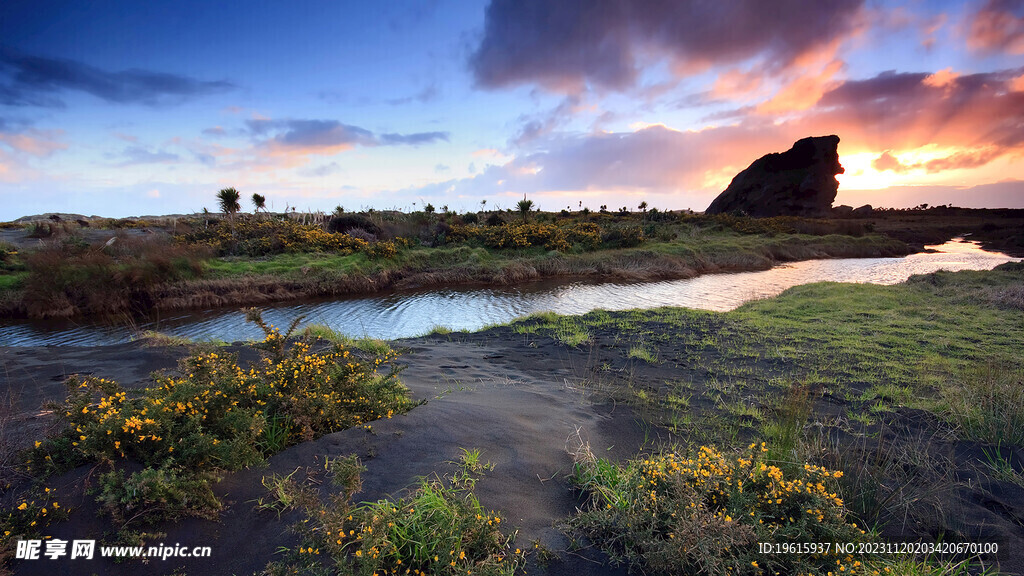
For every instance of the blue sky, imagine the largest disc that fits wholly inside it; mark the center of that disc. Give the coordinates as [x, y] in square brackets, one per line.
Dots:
[127, 108]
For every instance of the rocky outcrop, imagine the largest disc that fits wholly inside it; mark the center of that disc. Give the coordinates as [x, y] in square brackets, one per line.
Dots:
[798, 182]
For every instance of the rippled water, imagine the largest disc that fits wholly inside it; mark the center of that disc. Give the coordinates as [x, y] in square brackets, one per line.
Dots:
[403, 314]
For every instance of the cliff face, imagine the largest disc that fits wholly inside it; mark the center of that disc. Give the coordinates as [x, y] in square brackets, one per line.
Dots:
[798, 182]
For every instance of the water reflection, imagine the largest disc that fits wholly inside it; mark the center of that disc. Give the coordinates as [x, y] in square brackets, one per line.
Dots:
[403, 314]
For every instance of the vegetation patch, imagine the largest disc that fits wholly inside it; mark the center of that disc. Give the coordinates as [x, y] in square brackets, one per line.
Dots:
[439, 527]
[705, 513]
[215, 416]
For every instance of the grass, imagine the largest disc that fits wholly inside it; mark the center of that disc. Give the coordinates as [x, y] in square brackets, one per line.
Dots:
[437, 527]
[641, 352]
[986, 402]
[875, 381]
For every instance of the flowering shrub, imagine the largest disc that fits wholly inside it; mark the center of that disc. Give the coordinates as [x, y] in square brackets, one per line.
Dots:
[671, 514]
[585, 235]
[264, 237]
[383, 249]
[217, 415]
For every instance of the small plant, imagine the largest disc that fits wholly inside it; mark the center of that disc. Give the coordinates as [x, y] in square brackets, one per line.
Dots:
[438, 528]
[285, 494]
[157, 494]
[785, 430]
[641, 352]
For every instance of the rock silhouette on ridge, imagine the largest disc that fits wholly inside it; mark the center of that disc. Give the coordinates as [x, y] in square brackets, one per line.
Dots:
[798, 182]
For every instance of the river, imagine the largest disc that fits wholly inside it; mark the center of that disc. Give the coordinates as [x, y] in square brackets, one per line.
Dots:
[411, 313]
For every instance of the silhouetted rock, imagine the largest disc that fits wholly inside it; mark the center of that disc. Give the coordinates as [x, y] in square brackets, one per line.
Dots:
[842, 210]
[798, 182]
[863, 211]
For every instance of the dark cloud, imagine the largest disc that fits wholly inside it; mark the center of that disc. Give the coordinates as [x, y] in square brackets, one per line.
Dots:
[325, 136]
[998, 26]
[322, 134]
[898, 111]
[36, 81]
[413, 139]
[567, 45]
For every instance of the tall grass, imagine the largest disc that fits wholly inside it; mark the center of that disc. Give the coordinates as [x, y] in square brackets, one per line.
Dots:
[72, 277]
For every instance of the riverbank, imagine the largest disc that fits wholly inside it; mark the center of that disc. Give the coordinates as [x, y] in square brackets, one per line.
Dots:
[149, 277]
[911, 390]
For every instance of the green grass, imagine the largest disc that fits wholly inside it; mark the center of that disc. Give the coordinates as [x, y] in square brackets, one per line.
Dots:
[287, 264]
[645, 353]
[437, 527]
[12, 280]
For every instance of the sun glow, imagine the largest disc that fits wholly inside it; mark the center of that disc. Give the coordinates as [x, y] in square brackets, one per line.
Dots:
[860, 175]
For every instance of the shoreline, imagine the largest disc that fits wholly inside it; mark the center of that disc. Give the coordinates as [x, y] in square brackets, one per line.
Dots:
[638, 264]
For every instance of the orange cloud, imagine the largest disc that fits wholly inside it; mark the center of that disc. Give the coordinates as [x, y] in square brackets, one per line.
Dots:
[734, 84]
[804, 92]
[942, 79]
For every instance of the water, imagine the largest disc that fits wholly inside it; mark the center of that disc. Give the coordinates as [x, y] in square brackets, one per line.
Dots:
[403, 314]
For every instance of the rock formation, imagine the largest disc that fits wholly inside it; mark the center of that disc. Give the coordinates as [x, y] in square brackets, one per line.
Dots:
[798, 182]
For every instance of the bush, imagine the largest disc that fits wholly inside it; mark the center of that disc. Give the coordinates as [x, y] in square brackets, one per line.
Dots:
[625, 236]
[265, 237]
[344, 224]
[671, 514]
[216, 416]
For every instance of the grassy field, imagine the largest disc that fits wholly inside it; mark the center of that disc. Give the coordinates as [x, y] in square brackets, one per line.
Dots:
[197, 263]
[911, 392]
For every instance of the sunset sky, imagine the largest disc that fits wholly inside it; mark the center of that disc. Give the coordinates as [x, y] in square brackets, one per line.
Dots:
[121, 108]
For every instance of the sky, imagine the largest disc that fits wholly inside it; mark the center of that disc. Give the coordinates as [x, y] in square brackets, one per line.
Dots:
[118, 108]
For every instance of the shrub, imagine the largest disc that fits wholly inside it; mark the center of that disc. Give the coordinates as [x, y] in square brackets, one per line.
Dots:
[265, 237]
[672, 514]
[584, 235]
[344, 224]
[625, 236]
[216, 416]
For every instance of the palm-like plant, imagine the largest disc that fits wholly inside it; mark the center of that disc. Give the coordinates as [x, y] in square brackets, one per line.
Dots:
[228, 199]
[524, 207]
[260, 202]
